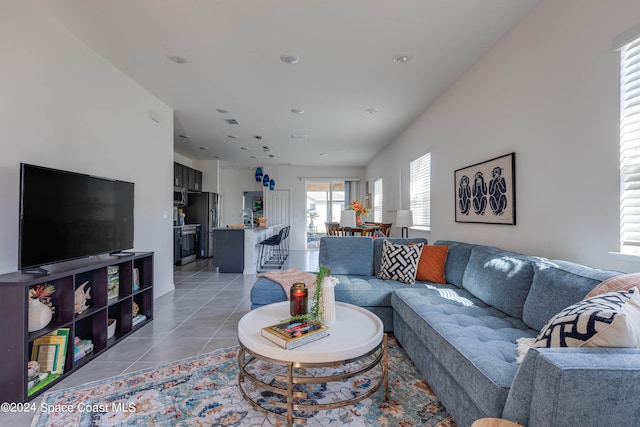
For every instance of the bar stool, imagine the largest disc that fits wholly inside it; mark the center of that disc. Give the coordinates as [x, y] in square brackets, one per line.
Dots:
[274, 243]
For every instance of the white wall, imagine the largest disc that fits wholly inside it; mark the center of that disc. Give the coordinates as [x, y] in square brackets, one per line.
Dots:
[233, 182]
[63, 106]
[548, 91]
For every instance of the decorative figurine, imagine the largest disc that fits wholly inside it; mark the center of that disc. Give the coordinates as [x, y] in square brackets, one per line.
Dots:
[81, 297]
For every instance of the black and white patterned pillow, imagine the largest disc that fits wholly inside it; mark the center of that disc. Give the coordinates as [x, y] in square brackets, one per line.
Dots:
[607, 320]
[400, 262]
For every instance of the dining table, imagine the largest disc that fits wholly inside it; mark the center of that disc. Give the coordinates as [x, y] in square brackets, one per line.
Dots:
[362, 230]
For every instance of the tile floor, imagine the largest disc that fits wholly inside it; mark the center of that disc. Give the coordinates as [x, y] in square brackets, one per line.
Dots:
[199, 316]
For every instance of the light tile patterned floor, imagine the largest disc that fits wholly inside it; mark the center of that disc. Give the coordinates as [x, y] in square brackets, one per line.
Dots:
[199, 316]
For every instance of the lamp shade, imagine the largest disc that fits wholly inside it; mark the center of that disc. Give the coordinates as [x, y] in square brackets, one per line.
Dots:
[265, 180]
[348, 218]
[272, 185]
[404, 218]
[258, 174]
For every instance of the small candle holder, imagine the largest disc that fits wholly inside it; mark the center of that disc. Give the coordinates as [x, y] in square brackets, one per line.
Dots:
[298, 299]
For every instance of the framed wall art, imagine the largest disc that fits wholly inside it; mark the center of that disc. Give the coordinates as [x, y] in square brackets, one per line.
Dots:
[486, 192]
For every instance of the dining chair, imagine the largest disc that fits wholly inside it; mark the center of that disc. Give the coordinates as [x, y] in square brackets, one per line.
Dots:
[386, 228]
[333, 228]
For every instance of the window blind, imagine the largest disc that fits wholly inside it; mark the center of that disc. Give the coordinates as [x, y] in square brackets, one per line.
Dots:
[420, 190]
[630, 144]
[377, 200]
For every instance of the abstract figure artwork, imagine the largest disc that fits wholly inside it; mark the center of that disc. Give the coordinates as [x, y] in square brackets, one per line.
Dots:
[474, 195]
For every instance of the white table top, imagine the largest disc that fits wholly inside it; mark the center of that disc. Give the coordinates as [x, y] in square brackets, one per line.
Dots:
[355, 332]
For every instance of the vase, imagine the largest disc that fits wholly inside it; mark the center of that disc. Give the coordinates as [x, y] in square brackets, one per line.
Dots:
[358, 221]
[328, 300]
[39, 315]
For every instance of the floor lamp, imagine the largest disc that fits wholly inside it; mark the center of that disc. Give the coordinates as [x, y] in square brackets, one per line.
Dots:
[404, 220]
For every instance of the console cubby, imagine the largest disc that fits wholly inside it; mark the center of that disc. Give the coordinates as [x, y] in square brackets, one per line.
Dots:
[91, 324]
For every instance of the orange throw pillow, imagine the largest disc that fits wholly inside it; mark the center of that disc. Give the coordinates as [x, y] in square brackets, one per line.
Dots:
[623, 282]
[431, 264]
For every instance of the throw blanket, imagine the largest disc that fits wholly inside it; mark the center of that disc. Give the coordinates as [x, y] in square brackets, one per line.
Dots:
[287, 278]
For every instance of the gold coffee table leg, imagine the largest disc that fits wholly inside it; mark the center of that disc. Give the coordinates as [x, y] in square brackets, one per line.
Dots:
[289, 394]
[385, 367]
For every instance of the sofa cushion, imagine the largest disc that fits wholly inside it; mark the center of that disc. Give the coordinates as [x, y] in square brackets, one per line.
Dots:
[366, 291]
[556, 285]
[500, 278]
[608, 320]
[431, 264]
[621, 282]
[400, 262]
[347, 255]
[377, 249]
[457, 259]
[472, 340]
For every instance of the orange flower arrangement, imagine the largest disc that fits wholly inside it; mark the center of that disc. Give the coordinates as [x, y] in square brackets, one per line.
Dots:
[359, 208]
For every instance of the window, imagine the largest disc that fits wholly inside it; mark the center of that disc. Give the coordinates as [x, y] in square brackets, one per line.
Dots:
[630, 147]
[377, 200]
[420, 191]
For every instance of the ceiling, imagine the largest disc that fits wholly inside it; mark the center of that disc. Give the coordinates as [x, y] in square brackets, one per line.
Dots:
[356, 99]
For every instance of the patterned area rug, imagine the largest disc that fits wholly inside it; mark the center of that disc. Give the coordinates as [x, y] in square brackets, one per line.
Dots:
[203, 391]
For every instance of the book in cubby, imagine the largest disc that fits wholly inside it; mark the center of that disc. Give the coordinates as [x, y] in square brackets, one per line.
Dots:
[113, 281]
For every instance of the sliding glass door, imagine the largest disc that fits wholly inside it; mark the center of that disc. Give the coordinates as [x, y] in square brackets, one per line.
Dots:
[325, 201]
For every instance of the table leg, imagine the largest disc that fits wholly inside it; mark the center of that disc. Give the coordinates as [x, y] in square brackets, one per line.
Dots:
[385, 368]
[289, 394]
[241, 366]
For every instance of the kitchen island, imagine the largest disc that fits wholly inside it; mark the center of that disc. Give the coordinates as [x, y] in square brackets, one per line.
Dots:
[236, 250]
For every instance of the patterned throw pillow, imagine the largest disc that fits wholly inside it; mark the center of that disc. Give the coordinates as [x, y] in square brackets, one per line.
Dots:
[607, 320]
[400, 262]
[623, 282]
[431, 264]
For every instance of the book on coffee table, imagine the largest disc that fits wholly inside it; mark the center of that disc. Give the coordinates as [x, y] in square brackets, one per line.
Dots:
[294, 333]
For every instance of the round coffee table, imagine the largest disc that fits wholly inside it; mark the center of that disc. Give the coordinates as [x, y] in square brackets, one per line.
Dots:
[356, 335]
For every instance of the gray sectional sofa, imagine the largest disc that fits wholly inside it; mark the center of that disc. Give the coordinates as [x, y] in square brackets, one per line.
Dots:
[462, 334]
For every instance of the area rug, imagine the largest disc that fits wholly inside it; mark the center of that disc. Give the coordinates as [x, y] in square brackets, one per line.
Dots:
[203, 391]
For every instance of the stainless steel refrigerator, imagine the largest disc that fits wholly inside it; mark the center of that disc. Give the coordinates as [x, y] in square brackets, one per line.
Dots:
[204, 209]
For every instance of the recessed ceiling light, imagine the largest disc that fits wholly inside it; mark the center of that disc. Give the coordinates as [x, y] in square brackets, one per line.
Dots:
[222, 110]
[244, 148]
[231, 121]
[297, 110]
[253, 157]
[323, 154]
[183, 136]
[204, 148]
[177, 59]
[289, 58]
[216, 157]
[272, 155]
[258, 137]
[371, 110]
[265, 147]
[401, 58]
[299, 136]
[233, 136]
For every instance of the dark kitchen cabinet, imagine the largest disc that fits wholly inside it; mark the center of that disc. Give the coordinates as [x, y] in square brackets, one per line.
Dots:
[179, 172]
[195, 180]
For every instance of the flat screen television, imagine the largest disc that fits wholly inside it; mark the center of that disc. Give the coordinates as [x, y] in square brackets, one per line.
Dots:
[67, 215]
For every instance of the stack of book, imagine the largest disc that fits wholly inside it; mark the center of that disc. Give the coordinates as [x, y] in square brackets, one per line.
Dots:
[81, 348]
[294, 333]
[139, 318]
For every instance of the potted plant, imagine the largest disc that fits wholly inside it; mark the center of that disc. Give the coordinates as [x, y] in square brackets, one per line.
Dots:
[312, 215]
